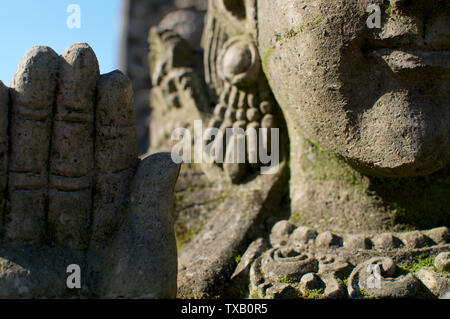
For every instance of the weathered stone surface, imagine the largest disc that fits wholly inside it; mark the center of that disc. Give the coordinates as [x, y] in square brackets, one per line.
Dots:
[71, 173]
[311, 281]
[336, 265]
[344, 195]
[416, 240]
[387, 241]
[439, 235]
[138, 17]
[359, 263]
[258, 285]
[281, 291]
[322, 180]
[196, 197]
[238, 89]
[32, 98]
[303, 234]
[37, 272]
[442, 262]
[289, 273]
[197, 4]
[446, 295]
[438, 284]
[280, 233]
[376, 278]
[207, 263]
[4, 111]
[187, 23]
[178, 95]
[253, 251]
[392, 147]
[354, 242]
[328, 239]
[275, 265]
[334, 288]
[62, 158]
[143, 260]
[115, 153]
[372, 163]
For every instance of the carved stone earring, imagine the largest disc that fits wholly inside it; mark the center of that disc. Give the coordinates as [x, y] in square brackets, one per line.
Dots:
[245, 100]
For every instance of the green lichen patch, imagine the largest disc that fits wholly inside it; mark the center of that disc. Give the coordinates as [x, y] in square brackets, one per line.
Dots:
[417, 202]
[265, 58]
[286, 280]
[313, 294]
[237, 259]
[184, 237]
[323, 165]
[365, 294]
[294, 32]
[416, 265]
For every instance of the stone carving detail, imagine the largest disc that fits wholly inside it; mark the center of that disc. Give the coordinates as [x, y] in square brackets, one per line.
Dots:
[245, 100]
[72, 189]
[178, 93]
[239, 92]
[301, 272]
[442, 262]
[171, 64]
[302, 261]
[368, 163]
[138, 16]
[376, 277]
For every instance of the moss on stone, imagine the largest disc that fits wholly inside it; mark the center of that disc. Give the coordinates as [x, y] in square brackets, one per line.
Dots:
[294, 32]
[254, 295]
[416, 265]
[286, 280]
[179, 196]
[313, 294]
[185, 237]
[417, 202]
[365, 294]
[238, 259]
[265, 58]
[326, 166]
[412, 203]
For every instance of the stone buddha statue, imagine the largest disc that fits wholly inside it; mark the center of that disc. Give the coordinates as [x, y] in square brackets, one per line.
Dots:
[375, 101]
[362, 109]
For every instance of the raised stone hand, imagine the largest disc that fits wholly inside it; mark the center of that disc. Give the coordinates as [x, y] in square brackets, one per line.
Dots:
[72, 189]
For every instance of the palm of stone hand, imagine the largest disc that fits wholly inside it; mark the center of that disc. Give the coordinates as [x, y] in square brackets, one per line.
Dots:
[68, 159]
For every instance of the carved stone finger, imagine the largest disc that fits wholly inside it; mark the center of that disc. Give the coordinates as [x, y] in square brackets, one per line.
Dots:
[4, 110]
[142, 262]
[32, 98]
[72, 153]
[115, 153]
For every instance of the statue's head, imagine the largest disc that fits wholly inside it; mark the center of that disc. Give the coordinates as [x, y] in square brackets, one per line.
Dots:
[379, 98]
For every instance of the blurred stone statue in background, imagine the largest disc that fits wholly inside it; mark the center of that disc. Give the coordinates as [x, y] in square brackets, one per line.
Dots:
[138, 16]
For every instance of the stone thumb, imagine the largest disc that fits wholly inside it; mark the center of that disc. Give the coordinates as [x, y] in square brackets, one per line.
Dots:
[144, 254]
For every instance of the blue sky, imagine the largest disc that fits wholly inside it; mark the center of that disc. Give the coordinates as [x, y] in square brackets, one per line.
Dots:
[26, 23]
